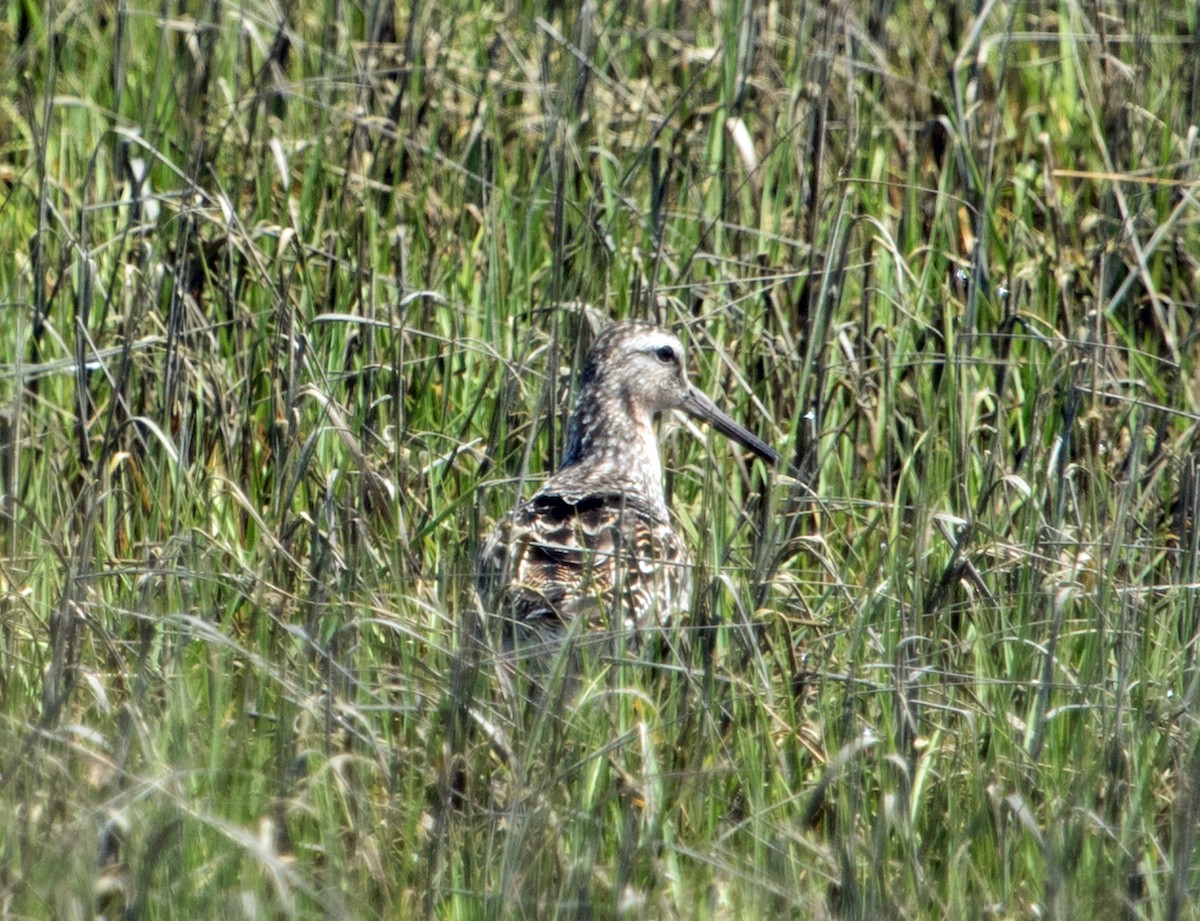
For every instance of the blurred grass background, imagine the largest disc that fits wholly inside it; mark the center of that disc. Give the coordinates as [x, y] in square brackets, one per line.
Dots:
[293, 299]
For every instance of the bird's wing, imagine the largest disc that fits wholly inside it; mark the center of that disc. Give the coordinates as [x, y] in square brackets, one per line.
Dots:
[554, 559]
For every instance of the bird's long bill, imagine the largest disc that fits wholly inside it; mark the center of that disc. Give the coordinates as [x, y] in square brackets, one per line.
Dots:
[700, 406]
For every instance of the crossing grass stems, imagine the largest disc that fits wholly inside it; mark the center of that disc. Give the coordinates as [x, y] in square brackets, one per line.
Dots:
[294, 312]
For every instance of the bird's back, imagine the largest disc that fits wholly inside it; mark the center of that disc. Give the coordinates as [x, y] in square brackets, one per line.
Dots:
[606, 558]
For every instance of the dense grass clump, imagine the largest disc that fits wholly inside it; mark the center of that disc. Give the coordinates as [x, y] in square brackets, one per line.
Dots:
[293, 302]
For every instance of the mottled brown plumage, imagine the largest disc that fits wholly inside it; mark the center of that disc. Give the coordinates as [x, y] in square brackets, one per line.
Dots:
[596, 542]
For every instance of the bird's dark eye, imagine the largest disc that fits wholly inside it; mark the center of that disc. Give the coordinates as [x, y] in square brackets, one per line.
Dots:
[665, 354]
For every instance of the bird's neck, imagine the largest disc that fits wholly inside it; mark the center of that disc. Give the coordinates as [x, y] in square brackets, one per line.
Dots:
[612, 447]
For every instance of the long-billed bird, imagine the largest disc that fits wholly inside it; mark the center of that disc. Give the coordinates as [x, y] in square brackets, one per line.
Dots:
[596, 541]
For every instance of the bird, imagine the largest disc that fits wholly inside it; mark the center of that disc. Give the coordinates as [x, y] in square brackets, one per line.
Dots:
[596, 542]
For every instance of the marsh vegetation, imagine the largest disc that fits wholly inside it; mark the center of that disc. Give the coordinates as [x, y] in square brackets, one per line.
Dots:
[293, 300]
